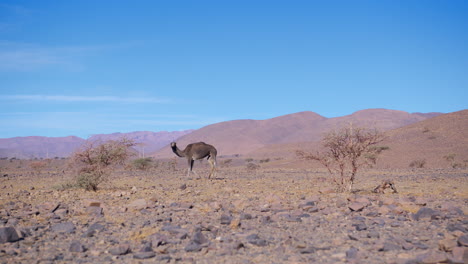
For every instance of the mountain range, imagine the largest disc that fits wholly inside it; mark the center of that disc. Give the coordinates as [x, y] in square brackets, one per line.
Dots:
[432, 137]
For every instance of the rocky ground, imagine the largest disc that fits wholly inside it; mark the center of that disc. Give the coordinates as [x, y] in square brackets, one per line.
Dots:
[276, 216]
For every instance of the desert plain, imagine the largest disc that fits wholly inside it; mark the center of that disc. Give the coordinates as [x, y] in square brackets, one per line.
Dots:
[242, 215]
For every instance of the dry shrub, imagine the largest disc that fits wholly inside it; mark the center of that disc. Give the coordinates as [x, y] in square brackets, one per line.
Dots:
[345, 151]
[94, 162]
[418, 163]
[38, 166]
[142, 163]
[252, 166]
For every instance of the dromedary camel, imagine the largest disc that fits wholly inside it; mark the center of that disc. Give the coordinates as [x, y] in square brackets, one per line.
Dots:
[197, 151]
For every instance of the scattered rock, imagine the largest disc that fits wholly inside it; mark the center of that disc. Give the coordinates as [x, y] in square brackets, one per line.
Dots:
[66, 227]
[144, 255]
[226, 219]
[357, 206]
[447, 244]
[254, 239]
[76, 246]
[121, 249]
[426, 213]
[8, 234]
[463, 240]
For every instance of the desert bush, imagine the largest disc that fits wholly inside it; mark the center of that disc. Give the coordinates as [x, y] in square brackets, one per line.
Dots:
[264, 160]
[418, 163]
[249, 160]
[252, 166]
[345, 151]
[227, 163]
[142, 163]
[38, 166]
[92, 163]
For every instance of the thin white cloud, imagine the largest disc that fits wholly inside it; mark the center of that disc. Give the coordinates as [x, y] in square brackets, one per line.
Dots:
[67, 98]
[18, 56]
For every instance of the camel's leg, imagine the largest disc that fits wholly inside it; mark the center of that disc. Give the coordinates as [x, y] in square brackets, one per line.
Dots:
[212, 162]
[190, 168]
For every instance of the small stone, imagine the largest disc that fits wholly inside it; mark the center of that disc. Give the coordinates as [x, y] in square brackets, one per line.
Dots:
[389, 246]
[76, 246]
[245, 216]
[447, 244]
[144, 255]
[426, 212]
[460, 255]
[254, 239]
[183, 187]
[199, 238]
[193, 247]
[94, 211]
[8, 234]
[67, 227]
[360, 227]
[226, 219]
[357, 206]
[432, 257]
[93, 229]
[121, 249]
[352, 253]
[373, 234]
[463, 240]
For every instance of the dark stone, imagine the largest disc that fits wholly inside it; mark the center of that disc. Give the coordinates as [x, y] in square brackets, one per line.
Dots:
[373, 234]
[183, 187]
[226, 219]
[426, 212]
[245, 216]
[147, 247]
[144, 255]
[360, 227]
[159, 239]
[254, 239]
[93, 229]
[308, 250]
[352, 253]
[8, 234]
[121, 249]
[199, 238]
[463, 240]
[67, 227]
[454, 227]
[389, 246]
[193, 247]
[76, 246]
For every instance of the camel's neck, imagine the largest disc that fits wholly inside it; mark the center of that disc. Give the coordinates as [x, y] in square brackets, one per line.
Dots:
[177, 151]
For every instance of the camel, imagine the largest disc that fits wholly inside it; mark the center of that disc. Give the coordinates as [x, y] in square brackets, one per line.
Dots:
[197, 151]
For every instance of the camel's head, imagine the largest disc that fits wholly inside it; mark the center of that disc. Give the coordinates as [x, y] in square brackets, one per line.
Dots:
[173, 145]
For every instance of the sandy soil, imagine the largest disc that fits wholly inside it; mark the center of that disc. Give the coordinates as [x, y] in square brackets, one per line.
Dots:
[241, 216]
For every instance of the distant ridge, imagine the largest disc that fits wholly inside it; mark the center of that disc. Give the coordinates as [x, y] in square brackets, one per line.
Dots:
[245, 136]
[51, 147]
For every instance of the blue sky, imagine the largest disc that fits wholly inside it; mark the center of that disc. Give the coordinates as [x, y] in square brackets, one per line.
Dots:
[89, 67]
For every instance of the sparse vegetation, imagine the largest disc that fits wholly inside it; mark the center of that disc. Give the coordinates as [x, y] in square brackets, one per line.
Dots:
[252, 166]
[93, 162]
[346, 151]
[265, 160]
[249, 160]
[38, 166]
[142, 163]
[418, 163]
